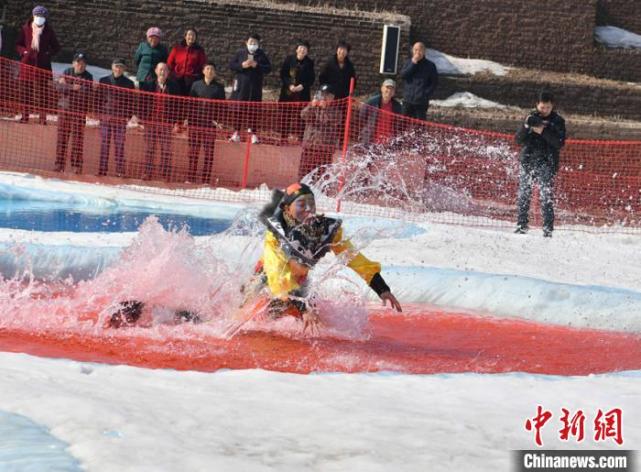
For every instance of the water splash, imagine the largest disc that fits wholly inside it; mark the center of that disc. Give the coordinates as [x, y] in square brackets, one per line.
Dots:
[169, 270]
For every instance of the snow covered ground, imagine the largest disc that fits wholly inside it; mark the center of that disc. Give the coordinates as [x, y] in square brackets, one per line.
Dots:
[452, 65]
[466, 100]
[125, 418]
[614, 37]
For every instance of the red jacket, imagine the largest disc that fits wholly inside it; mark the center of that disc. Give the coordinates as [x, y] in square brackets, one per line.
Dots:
[187, 61]
[49, 46]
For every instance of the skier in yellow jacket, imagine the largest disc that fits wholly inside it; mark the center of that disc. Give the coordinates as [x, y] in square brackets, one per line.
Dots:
[296, 239]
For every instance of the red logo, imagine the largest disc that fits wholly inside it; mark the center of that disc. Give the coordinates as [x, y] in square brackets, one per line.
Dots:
[607, 425]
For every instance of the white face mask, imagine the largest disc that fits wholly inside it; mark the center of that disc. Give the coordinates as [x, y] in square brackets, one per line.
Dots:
[39, 20]
[252, 48]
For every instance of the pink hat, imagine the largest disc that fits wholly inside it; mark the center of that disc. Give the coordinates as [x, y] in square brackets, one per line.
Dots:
[154, 31]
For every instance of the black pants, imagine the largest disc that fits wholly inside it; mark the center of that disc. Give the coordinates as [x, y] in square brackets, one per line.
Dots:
[205, 138]
[70, 125]
[158, 135]
[416, 111]
[543, 174]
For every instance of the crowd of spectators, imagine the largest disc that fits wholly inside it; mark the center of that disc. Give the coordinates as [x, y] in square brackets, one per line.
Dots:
[185, 70]
[315, 120]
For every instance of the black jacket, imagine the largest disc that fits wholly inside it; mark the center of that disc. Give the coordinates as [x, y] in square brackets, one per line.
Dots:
[369, 117]
[204, 112]
[76, 101]
[161, 107]
[113, 102]
[336, 77]
[544, 148]
[421, 80]
[295, 72]
[248, 84]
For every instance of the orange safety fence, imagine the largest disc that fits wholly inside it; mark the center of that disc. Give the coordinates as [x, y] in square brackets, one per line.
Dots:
[392, 165]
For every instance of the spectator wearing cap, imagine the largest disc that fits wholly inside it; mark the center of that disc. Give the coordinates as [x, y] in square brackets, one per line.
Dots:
[161, 113]
[377, 116]
[116, 104]
[186, 61]
[322, 119]
[421, 79]
[202, 117]
[36, 45]
[297, 77]
[74, 91]
[251, 64]
[149, 54]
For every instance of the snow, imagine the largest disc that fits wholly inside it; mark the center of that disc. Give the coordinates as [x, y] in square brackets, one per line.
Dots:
[466, 100]
[133, 419]
[613, 37]
[452, 65]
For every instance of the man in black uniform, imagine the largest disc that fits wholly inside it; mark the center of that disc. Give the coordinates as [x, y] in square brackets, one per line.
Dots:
[202, 118]
[542, 136]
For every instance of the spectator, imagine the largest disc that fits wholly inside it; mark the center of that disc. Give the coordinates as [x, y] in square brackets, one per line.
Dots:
[161, 113]
[297, 76]
[421, 79]
[250, 64]
[186, 61]
[74, 88]
[36, 45]
[149, 54]
[380, 127]
[322, 120]
[203, 119]
[116, 106]
[338, 71]
[541, 136]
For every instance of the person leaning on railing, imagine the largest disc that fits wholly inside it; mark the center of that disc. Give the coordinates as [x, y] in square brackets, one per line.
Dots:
[542, 135]
[161, 112]
[75, 93]
[36, 45]
[380, 127]
[203, 117]
[322, 126]
[116, 107]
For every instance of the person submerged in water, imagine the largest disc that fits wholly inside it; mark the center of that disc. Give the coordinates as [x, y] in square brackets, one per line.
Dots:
[296, 239]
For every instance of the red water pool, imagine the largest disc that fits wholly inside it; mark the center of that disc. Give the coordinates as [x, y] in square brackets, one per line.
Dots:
[422, 342]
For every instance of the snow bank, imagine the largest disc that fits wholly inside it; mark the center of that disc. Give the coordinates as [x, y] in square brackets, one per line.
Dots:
[451, 65]
[130, 419]
[614, 37]
[466, 100]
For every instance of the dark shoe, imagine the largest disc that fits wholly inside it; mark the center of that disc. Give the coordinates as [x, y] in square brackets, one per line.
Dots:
[521, 229]
[547, 233]
[127, 315]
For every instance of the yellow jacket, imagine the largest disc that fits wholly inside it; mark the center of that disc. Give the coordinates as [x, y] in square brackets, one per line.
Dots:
[285, 275]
